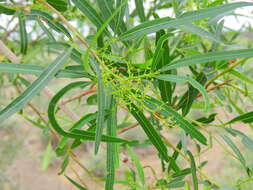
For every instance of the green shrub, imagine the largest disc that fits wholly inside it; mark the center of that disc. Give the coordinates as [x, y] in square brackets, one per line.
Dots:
[172, 75]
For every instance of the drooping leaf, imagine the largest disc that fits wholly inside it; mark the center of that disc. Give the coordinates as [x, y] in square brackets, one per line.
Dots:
[107, 11]
[140, 10]
[236, 150]
[34, 14]
[112, 152]
[46, 30]
[64, 165]
[182, 79]
[47, 156]
[150, 131]
[164, 23]
[174, 158]
[76, 133]
[245, 118]
[23, 33]
[80, 187]
[193, 170]
[241, 76]
[101, 106]
[189, 97]
[18, 68]
[137, 164]
[168, 112]
[209, 57]
[246, 140]
[79, 124]
[44, 78]
[87, 9]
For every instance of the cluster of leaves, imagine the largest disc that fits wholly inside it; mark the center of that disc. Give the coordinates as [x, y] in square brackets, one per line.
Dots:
[137, 68]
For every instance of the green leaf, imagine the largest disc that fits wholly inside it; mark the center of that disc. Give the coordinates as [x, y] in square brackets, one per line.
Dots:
[108, 10]
[112, 152]
[64, 165]
[47, 156]
[174, 158]
[18, 68]
[137, 164]
[158, 52]
[140, 10]
[45, 77]
[248, 143]
[168, 112]
[75, 54]
[44, 28]
[236, 150]
[182, 173]
[55, 25]
[79, 124]
[192, 28]
[60, 5]
[101, 106]
[150, 131]
[75, 183]
[7, 10]
[241, 76]
[209, 57]
[87, 9]
[193, 170]
[182, 79]
[161, 58]
[164, 23]
[190, 96]
[76, 133]
[23, 33]
[245, 118]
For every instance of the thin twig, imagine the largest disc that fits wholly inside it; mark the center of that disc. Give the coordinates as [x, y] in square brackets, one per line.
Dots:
[84, 93]
[216, 87]
[226, 71]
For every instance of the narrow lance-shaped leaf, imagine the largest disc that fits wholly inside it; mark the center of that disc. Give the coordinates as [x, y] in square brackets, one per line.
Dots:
[87, 9]
[245, 118]
[150, 131]
[246, 140]
[80, 187]
[57, 26]
[164, 23]
[76, 133]
[188, 98]
[23, 33]
[112, 154]
[101, 106]
[209, 57]
[64, 165]
[80, 123]
[138, 165]
[236, 150]
[241, 76]
[193, 170]
[182, 79]
[45, 77]
[168, 112]
[7, 10]
[140, 10]
[37, 70]
[44, 28]
[47, 156]
[108, 10]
